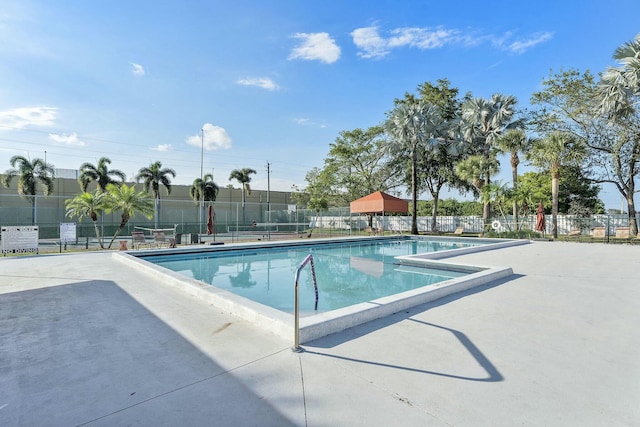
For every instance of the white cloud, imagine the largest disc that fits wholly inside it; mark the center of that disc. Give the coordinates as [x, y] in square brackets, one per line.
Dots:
[66, 139]
[263, 82]
[315, 46]
[369, 41]
[162, 147]
[137, 69]
[372, 45]
[521, 46]
[214, 138]
[303, 121]
[28, 116]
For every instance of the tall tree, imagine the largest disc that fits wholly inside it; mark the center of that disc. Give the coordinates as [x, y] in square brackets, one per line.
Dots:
[483, 122]
[243, 176]
[413, 125]
[513, 142]
[205, 190]
[573, 102]
[435, 162]
[87, 205]
[29, 174]
[125, 199]
[620, 95]
[100, 174]
[153, 177]
[553, 152]
[359, 163]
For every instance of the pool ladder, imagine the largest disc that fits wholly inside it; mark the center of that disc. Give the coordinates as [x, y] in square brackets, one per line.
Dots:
[296, 301]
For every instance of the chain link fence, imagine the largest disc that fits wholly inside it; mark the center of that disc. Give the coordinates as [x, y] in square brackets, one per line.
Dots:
[236, 221]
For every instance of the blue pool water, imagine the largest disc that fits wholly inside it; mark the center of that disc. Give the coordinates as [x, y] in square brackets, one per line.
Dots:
[347, 273]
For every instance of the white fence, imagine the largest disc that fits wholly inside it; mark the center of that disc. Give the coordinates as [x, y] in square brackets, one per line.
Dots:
[473, 224]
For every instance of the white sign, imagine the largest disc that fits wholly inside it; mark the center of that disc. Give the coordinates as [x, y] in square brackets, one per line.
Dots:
[20, 239]
[68, 232]
[292, 208]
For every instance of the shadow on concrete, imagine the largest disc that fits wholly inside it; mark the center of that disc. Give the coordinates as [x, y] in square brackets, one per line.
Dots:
[87, 352]
[357, 331]
[493, 375]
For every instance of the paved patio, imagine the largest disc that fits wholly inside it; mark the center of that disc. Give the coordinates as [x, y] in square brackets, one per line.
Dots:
[87, 341]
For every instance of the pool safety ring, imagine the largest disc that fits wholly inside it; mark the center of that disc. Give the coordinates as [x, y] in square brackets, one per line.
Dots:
[495, 224]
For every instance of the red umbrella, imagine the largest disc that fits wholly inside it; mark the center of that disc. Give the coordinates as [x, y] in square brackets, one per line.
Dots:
[540, 219]
[210, 220]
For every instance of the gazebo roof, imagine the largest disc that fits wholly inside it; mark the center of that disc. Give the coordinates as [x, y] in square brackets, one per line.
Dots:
[379, 202]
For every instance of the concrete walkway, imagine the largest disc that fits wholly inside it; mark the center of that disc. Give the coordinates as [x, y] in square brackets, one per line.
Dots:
[87, 341]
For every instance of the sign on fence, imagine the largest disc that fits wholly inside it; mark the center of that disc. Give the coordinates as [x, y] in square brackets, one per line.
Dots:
[20, 239]
[68, 232]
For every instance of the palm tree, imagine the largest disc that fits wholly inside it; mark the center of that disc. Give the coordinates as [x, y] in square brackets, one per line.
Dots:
[29, 174]
[514, 141]
[243, 176]
[620, 96]
[153, 177]
[87, 205]
[204, 189]
[124, 199]
[100, 174]
[475, 169]
[558, 149]
[413, 125]
[620, 86]
[483, 122]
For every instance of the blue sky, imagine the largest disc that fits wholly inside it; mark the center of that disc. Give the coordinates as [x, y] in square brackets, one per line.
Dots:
[268, 81]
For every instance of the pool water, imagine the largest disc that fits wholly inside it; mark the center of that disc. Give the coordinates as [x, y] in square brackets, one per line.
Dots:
[347, 273]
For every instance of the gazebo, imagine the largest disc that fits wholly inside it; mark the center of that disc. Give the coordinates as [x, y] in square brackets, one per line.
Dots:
[379, 202]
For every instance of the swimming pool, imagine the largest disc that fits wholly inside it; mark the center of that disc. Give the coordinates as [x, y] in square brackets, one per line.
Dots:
[397, 273]
[347, 272]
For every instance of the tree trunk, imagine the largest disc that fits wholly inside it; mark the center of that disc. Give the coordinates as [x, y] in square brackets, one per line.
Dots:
[414, 190]
[243, 215]
[633, 224]
[117, 233]
[156, 215]
[33, 209]
[486, 213]
[555, 179]
[514, 176]
[434, 213]
[486, 207]
[95, 225]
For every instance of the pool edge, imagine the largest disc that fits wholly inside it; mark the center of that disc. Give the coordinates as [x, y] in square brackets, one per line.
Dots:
[318, 325]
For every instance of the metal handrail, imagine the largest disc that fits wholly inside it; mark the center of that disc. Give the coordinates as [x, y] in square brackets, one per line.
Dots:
[296, 301]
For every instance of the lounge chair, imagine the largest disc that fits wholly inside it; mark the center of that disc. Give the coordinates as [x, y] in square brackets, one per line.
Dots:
[459, 231]
[622, 234]
[139, 240]
[599, 233]
[159, 239]
[574, 233]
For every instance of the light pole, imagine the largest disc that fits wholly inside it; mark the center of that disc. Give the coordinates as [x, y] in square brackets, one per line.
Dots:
[201, 182]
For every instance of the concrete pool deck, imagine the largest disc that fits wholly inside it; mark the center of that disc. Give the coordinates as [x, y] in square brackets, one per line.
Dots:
[87, 341]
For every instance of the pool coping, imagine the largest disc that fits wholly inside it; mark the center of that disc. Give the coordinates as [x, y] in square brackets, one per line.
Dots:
[315, 326]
